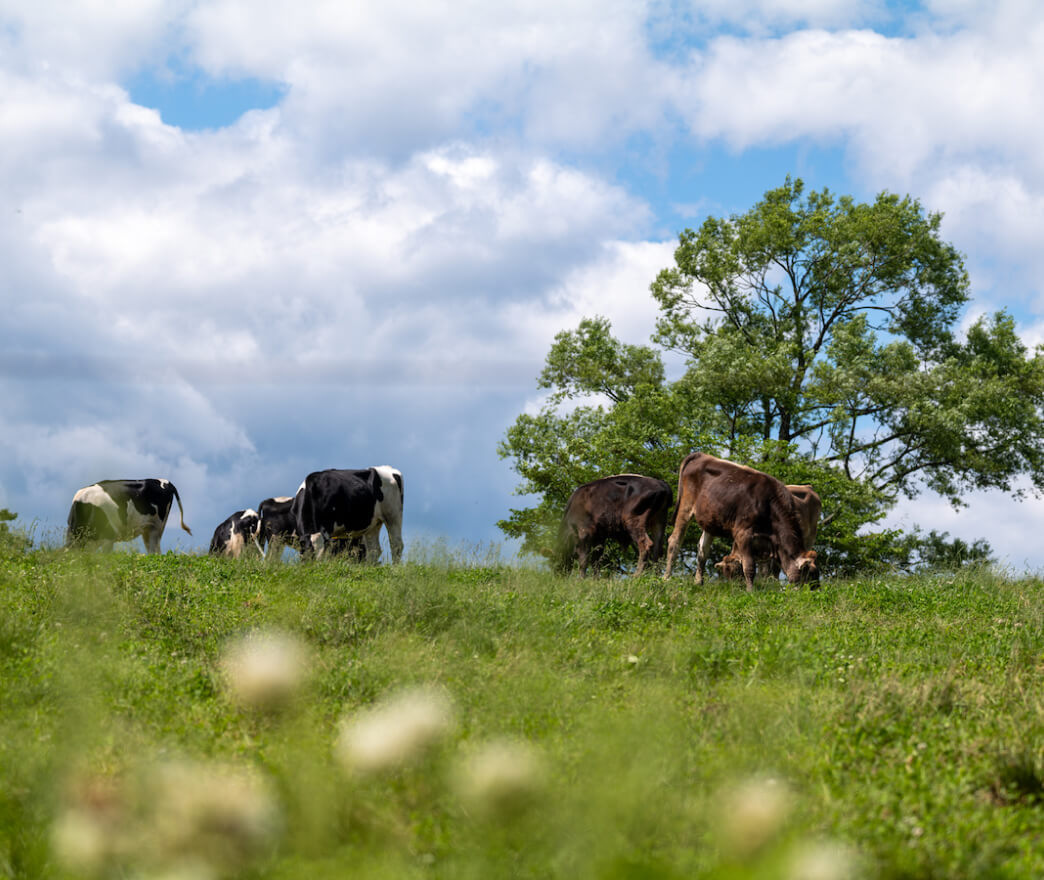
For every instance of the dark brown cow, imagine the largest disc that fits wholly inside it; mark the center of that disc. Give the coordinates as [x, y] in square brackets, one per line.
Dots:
[627, 508]
[808, 506]
[754, 509]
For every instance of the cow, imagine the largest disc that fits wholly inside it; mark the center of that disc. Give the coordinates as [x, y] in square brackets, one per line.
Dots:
[626, 508]
[754, 509]
[335, 504]
[808, 506]
[121, 510]
[278, 523]
[235, 535]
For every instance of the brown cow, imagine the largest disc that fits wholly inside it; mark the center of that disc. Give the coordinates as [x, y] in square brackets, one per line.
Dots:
[627, 508]
[808, 506]
[754, 509]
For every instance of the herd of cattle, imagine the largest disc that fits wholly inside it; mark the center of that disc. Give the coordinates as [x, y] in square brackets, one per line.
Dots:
[332, 511]
[343, 511]
[764, 519]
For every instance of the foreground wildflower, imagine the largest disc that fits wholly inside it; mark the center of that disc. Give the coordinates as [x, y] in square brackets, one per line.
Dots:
[222, 815]
[501, 778]
[824, 860]
[264, 670]
[395, 732]
[88, 834]
[177, 819]
[754, 815]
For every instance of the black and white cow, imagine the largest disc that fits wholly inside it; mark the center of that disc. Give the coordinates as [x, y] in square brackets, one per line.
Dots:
[339, 504]
[278, 523]
[236, 534]
[121, 510]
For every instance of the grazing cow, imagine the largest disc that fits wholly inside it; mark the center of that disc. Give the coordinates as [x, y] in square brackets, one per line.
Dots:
[120, 510]
[627, 508]
[808, 506]
[231, 537]
[335, 504]
[752, 508]
[278, 523]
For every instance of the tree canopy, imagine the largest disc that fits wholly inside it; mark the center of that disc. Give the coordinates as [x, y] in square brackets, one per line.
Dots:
[820, 340]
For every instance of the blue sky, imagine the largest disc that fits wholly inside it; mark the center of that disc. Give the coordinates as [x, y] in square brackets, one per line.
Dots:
[243, 243]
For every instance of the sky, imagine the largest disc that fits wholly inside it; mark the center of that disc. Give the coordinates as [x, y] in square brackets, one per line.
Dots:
[243, 241]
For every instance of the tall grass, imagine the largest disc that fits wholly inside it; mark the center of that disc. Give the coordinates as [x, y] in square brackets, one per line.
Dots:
[601, 728]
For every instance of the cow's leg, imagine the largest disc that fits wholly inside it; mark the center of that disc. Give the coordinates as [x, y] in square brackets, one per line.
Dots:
[372, 540]
[151, 537]
[702, 552]
[746, 546]
[318, 543]
[645, 546]
[394, 529]
[597, 552]
[750, 569]
[657, 538]
[583, 553]
[681, 523]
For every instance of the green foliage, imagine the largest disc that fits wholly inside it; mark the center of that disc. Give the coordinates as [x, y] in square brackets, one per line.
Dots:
[819, 337]
[878, 729]
[8, 539]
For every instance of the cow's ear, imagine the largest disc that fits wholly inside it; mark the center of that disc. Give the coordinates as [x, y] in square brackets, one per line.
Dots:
[812, 555]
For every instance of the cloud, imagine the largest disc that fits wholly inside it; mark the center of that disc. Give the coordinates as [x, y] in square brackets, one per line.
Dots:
[84, 38]
[1004, 523]
[391, 77]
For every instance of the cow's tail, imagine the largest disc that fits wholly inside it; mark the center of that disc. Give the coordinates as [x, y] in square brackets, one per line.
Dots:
[181, 511]
[564, 549]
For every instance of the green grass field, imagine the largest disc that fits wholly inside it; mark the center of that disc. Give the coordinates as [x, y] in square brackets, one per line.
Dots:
[455, 720]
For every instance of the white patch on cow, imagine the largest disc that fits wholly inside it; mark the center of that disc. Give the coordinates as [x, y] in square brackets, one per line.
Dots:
[389, 511]
[235, 544]
[138, 522]
[282, 499]
[318, 544]
[96, 496]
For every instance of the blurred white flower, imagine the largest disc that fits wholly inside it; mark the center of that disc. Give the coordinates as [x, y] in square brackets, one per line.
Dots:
[397, 731]
[184, 820]
[88, 835]
[264, 670]
[754, 813]
[207, 816]
[501, 777]
[80, 842]
[824, 860]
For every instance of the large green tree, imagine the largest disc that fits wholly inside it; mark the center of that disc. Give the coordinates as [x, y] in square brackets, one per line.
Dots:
[820, 341]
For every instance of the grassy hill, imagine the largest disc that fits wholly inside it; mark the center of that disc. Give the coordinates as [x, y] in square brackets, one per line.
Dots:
[458, 721]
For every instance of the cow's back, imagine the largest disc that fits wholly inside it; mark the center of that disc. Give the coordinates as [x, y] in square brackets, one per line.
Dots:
[725, 496]
[336, 501]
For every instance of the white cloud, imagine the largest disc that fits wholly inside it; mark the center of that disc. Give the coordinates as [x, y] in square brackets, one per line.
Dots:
[378, 77]
[900, 103]
[995, 516]
[95, 38]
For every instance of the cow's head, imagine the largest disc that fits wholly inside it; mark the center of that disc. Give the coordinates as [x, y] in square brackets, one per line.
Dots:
[730, 568]
[250, 525]
[804, 570]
